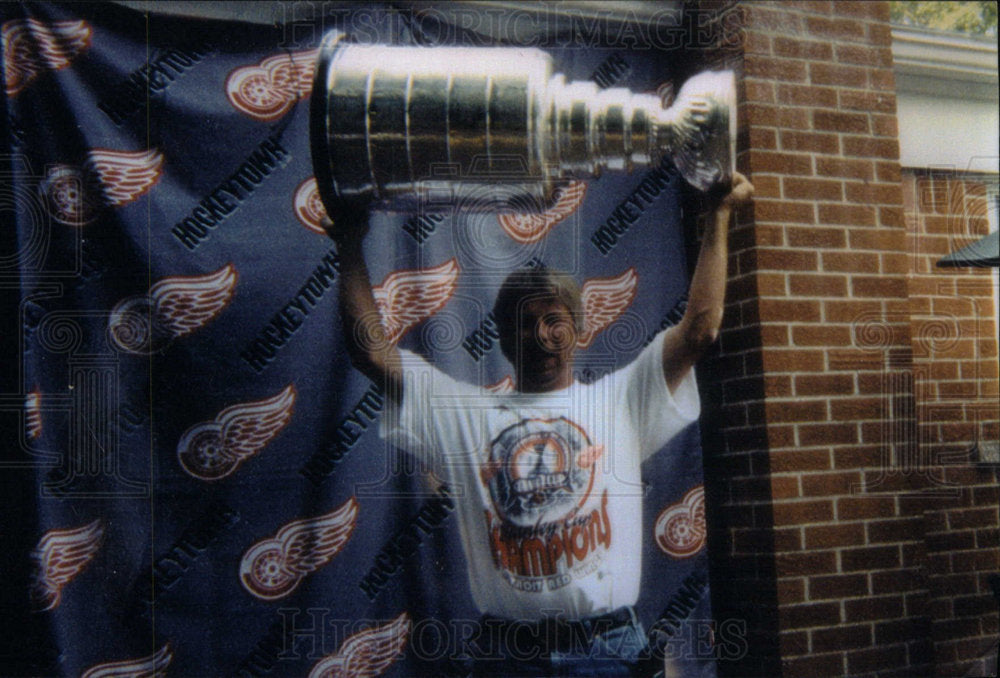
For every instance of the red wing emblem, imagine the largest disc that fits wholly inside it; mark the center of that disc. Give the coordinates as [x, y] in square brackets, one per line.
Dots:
[268, 89]
[367, 653]
[183, 304]
[272, 568]
[108, 178]
[59, 557]
[124, 176]
[31, 47]
[308, 206]
[529, 228]
[680, 529]
[174, 307]
[405, 298]
[604, 301]
[505, 385]
[33, 414]
[214, 449]
[146, 667]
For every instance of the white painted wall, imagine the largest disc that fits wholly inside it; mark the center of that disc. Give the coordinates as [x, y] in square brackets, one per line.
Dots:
[947, 98]
[963, 135]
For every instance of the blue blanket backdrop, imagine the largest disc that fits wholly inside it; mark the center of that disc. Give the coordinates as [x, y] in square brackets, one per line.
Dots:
[184, 413]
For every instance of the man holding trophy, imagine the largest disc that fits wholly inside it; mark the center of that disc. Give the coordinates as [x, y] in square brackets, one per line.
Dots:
[546, 479]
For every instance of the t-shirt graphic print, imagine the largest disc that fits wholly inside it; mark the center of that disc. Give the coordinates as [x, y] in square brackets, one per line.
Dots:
[547, 486]
[544, 524]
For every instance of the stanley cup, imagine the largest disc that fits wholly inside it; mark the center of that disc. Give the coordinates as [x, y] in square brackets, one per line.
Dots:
[387, 122]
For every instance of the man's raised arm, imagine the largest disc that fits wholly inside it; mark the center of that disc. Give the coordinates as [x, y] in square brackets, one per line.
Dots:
[364, 333]
[686, 342]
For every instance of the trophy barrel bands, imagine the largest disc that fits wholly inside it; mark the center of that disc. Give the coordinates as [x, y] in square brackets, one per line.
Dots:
[492, 128]
[388, 122]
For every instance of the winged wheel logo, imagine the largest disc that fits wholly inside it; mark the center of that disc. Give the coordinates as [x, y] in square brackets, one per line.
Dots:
[273, 568]
[530, 227]
[31, 47]
[59, 557]
[604, 301]
[308, 206]
[173, 308]
[75, 195]
[367, 653]
[406, 298]
[267, 90]
[680, 528]
[214, 449]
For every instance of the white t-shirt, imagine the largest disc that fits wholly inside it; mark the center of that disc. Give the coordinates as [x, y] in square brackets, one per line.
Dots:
[547, 486]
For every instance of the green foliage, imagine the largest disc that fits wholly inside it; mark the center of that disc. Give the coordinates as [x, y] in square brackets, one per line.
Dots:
[974, 18]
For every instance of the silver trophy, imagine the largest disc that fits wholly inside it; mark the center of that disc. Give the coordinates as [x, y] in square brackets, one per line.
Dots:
[389, 122]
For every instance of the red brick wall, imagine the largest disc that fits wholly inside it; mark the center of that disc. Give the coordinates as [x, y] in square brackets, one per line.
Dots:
[953, 321]
[829, 535]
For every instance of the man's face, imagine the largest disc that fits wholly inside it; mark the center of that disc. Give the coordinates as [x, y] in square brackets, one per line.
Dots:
[545, 337]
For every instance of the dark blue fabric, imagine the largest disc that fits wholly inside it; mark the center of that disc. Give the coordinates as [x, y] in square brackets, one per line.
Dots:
[96, 428]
